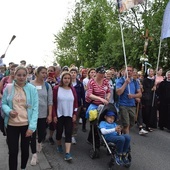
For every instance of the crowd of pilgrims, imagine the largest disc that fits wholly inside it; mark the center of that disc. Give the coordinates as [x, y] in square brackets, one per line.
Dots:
[61, 104]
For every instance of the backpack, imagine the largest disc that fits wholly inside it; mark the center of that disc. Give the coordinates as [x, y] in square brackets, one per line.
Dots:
[2, 126]
[47, 86]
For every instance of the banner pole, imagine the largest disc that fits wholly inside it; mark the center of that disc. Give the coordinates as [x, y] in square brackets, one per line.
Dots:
[124, 51]
[157, 68]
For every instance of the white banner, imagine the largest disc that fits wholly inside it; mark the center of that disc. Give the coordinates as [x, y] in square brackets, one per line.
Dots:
[165, 33]
[124, 5]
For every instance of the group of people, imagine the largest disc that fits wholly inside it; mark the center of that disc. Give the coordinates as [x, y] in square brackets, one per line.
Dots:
[34, 98]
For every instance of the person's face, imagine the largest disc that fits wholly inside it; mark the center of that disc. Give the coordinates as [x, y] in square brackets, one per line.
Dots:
[168, 77]
[100, 75]
[130, 71]
[23, 63]
[109, 75]
[12, 71]
[113, 71]
[29, 70]
[160, 72]
[21, 77]
[151, 73]
[73, 74]
[66, 80]
[110, 119]
[135, 75]
[84, 74]
[42, 74]
[50, 69]
[92, 73]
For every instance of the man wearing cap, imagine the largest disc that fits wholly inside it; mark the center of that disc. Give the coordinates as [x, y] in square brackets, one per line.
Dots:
[127, 89]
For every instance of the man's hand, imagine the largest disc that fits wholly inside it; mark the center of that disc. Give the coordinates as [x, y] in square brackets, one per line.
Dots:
[131, 96]
[138, 100]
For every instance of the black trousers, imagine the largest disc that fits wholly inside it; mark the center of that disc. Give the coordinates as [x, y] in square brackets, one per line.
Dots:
[41, 129]
[67, 124]
[13, 134]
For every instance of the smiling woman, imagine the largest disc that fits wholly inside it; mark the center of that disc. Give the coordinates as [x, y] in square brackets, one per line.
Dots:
[34, 29]
[19, 120]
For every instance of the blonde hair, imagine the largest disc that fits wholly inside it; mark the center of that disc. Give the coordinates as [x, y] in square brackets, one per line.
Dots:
[20, 68]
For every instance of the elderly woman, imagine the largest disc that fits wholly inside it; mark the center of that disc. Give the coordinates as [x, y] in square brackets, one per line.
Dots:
[163, 93]
[98, 92]
[20, 106]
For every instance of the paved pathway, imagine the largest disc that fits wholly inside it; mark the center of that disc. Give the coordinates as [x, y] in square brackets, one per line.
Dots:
[42, 165]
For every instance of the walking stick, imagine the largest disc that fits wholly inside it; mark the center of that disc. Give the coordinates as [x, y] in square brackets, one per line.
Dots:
[137, 111]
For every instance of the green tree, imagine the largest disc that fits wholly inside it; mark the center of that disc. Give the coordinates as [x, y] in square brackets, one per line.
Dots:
[92, 35]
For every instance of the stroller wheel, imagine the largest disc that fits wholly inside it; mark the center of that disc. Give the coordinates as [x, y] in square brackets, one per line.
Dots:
[92, 154]
[110, 166]
[128, 166]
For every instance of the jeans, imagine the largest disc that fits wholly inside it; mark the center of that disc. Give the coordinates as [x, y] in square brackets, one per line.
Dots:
[122, 142]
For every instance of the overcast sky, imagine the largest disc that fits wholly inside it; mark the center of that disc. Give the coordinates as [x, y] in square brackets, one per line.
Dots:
[33, 22]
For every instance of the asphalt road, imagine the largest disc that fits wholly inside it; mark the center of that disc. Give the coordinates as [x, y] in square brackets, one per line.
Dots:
[150, 152]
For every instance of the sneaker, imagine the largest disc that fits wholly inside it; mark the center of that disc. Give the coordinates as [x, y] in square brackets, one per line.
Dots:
[125, 159]
[118, 159]
[51, 141]
[73, 140]
[143, 132]
[59, 149]
[39, 147]
[68, 157]
[80, 121]
[34, 159]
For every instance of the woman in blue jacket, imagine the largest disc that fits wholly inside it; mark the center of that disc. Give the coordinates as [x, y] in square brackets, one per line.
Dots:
[20, 107]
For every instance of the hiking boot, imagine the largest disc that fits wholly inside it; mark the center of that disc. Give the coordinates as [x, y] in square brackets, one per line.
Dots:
[59, 149]
[34, 159]
[68, 157]
[118, 159]
[51, 141]
[143, 132]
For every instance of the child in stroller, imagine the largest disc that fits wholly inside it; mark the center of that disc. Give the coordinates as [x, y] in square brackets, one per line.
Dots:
[112, 133]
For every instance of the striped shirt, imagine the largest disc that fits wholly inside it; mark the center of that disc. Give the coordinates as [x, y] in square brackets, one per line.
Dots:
[97, 90]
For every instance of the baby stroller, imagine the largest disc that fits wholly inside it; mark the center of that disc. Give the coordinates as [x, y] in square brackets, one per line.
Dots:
[111, 147]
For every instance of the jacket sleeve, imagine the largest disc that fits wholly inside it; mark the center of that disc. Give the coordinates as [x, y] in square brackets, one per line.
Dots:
[5, 106]
[54, 109]
[34, 117]
[83, 94]
[75, 105]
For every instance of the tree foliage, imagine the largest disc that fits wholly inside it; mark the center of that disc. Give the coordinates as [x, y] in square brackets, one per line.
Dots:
[92, 36]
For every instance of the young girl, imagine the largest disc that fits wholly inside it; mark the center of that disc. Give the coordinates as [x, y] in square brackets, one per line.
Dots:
[64, 112]
[112, 133]
[20, 106]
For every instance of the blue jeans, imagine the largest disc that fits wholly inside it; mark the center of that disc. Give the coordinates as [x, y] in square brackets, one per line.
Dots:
[122, 142]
